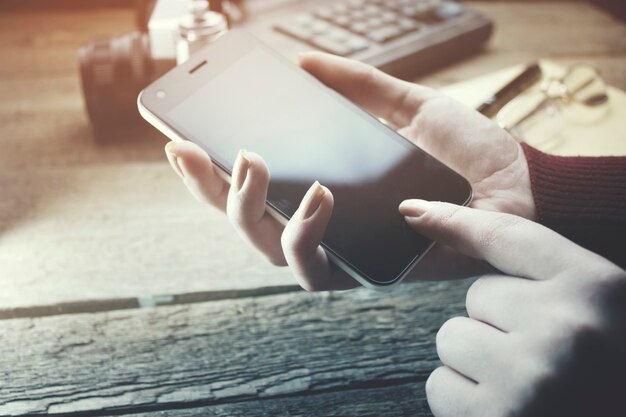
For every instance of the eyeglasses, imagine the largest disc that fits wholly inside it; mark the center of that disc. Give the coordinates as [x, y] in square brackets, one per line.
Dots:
[579, 96]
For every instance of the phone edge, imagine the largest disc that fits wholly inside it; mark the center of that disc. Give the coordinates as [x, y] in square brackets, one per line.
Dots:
[346, 267]
[171, 134]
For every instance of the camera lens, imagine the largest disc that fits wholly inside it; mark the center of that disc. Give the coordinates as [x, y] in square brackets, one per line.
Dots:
[113, 71]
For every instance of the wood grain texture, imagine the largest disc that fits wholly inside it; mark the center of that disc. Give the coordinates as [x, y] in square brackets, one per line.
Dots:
[405, 400]
[84, 221]
[226, 351]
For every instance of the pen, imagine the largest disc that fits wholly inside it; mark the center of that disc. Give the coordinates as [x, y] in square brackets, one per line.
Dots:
[494, 103]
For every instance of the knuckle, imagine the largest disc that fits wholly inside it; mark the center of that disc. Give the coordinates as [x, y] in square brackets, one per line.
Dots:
[608, 276]
[285, 240]
[445, 335]
[475, 296]
[437, 393]
[241, 211]
[445, 217]
[496, 229]
[449, 215]
[574, 320]
[294, 241]
[291, 241]
[259, 172]
[299, 244]
[296, 252]
[433, 385]
[234, 210]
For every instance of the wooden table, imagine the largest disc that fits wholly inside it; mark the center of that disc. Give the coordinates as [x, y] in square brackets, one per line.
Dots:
[120, 294]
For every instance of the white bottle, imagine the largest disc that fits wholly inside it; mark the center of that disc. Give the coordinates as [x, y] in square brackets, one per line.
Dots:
[197, 29]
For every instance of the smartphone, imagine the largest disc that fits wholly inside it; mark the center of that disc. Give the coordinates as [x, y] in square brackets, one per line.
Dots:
[237, 93]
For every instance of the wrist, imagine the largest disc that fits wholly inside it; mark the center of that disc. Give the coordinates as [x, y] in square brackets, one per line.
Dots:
[520, 199]
[528, 203]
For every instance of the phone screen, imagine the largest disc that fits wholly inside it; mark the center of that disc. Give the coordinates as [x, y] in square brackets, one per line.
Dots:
[306, 132]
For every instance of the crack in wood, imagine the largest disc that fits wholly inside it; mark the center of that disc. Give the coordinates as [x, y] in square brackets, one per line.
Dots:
[221, 352]
[98, 306]
[236, 399]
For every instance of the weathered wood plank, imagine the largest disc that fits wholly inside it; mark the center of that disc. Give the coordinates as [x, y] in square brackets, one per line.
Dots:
[218, 352]
[405, 400]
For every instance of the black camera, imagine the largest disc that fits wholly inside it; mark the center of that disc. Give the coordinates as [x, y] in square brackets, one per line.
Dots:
[113, 71]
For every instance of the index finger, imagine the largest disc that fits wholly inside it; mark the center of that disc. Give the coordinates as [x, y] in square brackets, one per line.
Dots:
[512, 244]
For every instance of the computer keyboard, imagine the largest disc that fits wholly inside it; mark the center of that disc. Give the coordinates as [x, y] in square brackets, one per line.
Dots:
[402, 37]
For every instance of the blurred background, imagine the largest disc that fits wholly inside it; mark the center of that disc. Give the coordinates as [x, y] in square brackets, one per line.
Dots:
[90, 211]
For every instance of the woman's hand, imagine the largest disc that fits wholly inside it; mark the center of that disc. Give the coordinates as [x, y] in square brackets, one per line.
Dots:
[471, 144]
[547, 337]
[466, 141]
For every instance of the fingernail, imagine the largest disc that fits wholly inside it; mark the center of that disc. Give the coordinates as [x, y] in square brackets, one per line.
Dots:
[414, 207]
[242, 166]
[170, 149]
[312, 200]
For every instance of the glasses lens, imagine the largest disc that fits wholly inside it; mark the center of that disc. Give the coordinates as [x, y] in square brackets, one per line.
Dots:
[585, 85]
[588, 95]
[532, 117]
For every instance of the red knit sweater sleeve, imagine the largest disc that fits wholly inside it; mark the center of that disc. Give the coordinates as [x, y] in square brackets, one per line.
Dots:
[582, 198]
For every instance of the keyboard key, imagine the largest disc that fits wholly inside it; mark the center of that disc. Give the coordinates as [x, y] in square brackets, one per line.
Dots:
[391, 3]
[341, 20]
[325, 13]
[373, 11]
[358, 14]
[359, 27]
[420, 11]
[408, 25]
[357, 44]
[388, 17]
[340, 8]
[294, 30]
[304, 19]
[409, 11]
[331, 46]
[374, 23]
[319, 27]
[339, 35]
[447, 11]
[335, 27]
[384, 34]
